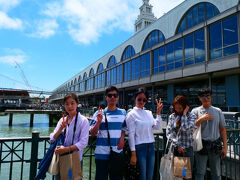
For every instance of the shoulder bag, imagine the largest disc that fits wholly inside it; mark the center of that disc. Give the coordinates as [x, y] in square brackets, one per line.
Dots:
[69, 163]
[197, 138]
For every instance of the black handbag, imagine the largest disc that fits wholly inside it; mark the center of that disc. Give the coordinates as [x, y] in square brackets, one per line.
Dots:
[132, 172]
[116, 160]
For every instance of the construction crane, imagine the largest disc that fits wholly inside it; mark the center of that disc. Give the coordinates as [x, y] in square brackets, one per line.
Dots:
[23, 75]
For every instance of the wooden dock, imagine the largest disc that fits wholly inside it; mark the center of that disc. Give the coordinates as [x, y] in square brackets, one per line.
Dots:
[51, 113]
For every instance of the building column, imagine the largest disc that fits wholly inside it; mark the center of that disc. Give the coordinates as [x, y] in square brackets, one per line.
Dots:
[170, 93]
[151, 63]
[210, 80]
[232, 85]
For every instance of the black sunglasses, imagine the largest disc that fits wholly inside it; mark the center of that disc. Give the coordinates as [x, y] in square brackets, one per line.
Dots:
[140, 99]
[112, 95]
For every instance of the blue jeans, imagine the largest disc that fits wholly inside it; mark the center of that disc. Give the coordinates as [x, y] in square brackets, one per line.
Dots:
[145, 158]
[201, 166]
[102, 171]
[188, 153]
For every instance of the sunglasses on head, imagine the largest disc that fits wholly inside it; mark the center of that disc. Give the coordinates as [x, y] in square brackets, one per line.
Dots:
[112, 95]
[141, 99]
[206, 96]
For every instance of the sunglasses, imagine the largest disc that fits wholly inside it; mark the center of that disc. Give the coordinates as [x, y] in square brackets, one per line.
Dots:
[206, 96]
[140, 99]
[112, 95]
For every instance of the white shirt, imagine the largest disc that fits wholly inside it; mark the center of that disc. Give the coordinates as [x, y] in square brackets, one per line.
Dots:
[140, 124]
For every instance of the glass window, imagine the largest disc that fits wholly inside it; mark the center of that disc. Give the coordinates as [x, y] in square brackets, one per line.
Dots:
[230, 35]
[127, 71]
[170, 60]
[108, 78]
[199, 43]
[100, 68]
[135, 68]
[209, 10]
[112, 61]
[189, 19]
[119, 74]
[215, 40]
[200, 13]
[145, 65]
[113, 76]
[155, 61]
[178, 53]
[128, 52]
[154, 38]
[188, 50]
[196, 15]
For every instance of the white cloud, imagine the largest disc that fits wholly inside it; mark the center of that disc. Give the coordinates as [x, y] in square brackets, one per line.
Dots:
[12, 59]
[5, 5]
[45, 28]
[9, 23]
[163, 6]
[87, 20]
[11, 56]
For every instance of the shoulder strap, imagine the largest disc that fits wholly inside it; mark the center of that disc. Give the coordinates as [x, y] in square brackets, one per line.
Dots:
[74, 129]
[106, 124]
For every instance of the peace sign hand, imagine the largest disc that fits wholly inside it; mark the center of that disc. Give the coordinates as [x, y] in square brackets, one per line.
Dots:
[99, 115]
[159, 106]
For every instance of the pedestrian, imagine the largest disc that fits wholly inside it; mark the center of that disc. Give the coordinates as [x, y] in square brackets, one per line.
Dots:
[181, 124]
[75, 128]
[213, 133]
[108, 125]
[140, 124]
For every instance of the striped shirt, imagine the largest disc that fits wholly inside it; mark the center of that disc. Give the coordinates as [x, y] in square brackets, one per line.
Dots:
[116, 123]
[185, 136]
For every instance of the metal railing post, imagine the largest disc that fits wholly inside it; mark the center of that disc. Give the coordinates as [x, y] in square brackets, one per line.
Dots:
[34, 155]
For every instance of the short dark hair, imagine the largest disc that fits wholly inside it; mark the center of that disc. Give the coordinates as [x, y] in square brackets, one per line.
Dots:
[111, 88]
[70, 95]
[203, 91]
[139, 91]
[179, 99]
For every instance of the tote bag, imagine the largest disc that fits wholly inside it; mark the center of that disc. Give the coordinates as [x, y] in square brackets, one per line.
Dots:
[197, 139]
[182, 167]
[70, 166]
[54, 166]
[166, 165]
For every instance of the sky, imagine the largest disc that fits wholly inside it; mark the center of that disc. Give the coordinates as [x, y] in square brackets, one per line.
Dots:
[44, 43]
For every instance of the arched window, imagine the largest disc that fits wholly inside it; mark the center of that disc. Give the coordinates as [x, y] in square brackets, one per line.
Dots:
[100, 68]
[75, 81]
[91, 73]
[128, 52]
[79, 78]
[111, 61]
[100, 78]
[90, 80]
[197, 14]
[85, 76]
[154, 38]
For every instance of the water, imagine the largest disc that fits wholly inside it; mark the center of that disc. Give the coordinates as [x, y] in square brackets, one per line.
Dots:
[21, 125]
[21, 128]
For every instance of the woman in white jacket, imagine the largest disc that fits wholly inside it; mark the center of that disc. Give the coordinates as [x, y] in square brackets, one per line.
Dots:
[140, 124]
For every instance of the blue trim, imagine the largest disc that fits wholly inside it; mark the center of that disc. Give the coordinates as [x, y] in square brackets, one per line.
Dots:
[104, 141]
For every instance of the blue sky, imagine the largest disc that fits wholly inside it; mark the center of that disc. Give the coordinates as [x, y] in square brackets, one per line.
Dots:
[53, 40]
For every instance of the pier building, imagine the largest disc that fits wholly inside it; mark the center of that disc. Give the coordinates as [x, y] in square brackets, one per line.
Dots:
[194, 45]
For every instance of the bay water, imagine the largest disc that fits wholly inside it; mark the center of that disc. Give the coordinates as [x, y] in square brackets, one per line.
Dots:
[21, 128]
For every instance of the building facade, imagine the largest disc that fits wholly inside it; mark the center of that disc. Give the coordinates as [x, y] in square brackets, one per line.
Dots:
[194, 45]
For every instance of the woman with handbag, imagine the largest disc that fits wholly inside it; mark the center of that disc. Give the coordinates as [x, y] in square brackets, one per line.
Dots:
[75, 128]
[180, 129]
[140, 124]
